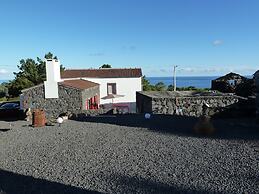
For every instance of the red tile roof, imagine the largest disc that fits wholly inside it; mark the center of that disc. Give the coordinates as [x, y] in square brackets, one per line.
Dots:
[79, 84]
[101, 73]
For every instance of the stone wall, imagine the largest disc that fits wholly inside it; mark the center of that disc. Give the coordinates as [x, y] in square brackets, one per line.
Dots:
[143, 103]
[191, 106]
[184, 105]
[70, 100]
[83, 114]
[256, 77]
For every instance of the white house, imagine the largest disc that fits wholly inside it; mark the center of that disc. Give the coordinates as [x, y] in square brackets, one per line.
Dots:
[118, 87]
[57, 96]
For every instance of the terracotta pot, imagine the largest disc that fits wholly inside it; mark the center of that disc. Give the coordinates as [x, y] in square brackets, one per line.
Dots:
[38, 118]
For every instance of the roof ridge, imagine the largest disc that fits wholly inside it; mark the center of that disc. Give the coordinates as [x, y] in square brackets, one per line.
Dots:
[104, 68]
[102, 73]
[84, 80]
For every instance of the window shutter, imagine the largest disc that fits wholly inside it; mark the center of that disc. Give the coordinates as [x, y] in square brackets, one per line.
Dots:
[114, 91]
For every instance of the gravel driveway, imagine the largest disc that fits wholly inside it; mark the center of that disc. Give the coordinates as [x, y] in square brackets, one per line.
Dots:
[109, 155]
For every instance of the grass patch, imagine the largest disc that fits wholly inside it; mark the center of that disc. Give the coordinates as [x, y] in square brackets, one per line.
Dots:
[5, 99]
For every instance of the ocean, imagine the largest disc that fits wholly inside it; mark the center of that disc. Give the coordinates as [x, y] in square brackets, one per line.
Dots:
[182, 81]
[198, 82]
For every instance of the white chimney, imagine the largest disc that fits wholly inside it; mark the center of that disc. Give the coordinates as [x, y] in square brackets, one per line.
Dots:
[53, 77]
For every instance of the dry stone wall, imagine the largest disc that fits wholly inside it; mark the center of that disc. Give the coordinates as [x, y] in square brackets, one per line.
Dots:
[70, 100]
[191, 106]
[182, 104]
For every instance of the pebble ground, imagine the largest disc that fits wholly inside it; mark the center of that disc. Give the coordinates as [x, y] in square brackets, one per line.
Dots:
[113, 157]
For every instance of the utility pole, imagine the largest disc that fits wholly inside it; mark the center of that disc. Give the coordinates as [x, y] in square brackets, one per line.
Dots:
[175, 77]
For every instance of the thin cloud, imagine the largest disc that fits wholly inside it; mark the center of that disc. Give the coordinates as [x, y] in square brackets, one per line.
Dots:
[187, 69]
[217, 42]
[96, 54]
[202, 70]
[164, 70]
[3, 71]
[217, 70]
[130, 47]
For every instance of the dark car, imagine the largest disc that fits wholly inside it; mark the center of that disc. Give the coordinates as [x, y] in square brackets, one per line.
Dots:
[10, 110]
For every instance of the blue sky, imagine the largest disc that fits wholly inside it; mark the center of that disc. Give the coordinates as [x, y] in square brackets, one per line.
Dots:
[202, 37]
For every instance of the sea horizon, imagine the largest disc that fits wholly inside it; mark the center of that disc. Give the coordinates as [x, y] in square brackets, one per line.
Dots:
[185, 81]
[181, 81]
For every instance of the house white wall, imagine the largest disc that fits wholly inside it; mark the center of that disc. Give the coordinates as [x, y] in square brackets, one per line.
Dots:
[124, 86]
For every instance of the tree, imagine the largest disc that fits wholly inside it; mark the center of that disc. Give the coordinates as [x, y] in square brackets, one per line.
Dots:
[33, 71]
[18, 84]
[49, 55]
[30, 73]
[160, 86]
[146, 84]
[3, 90]
[106, 66]
[170, 88]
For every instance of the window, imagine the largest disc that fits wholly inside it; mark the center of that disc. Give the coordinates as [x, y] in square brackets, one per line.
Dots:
[111, 88]
[92, 103]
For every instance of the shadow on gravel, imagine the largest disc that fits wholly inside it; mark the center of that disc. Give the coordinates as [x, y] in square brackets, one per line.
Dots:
[245, 129]
[125, 184]
[11, 183]
[10, 119]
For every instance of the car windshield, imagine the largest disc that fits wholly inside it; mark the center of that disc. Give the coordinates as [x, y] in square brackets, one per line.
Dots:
[10, 105]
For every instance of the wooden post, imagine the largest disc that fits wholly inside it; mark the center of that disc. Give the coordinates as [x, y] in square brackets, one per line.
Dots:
[175, 77]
